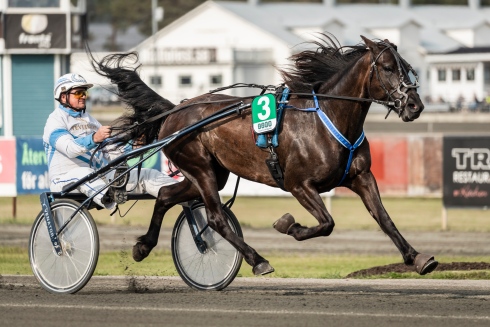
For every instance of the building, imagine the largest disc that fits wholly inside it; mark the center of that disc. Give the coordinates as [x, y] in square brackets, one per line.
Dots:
[36, 40]
[221, 43]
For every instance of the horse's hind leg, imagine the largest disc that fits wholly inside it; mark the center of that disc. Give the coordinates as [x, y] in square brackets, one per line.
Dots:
[365, 186]
[309, 198]
[168, 196]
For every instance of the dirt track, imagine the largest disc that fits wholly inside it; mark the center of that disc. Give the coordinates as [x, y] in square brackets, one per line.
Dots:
[164, 301]
[167, 301]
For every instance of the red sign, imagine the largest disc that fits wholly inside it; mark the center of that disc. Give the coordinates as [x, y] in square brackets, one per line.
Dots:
[7, 167]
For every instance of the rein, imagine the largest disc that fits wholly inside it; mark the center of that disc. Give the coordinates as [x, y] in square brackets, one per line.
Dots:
[238, 85]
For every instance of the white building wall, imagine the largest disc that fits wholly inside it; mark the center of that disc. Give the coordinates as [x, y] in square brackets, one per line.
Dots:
[210, 27]
[464, 36]
[392, 34]
[482, 35]
[450, 90]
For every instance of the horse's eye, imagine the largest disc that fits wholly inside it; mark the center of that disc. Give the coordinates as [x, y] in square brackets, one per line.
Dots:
[388, 69]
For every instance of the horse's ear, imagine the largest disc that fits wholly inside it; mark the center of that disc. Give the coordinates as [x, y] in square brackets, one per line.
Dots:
[370, 44]
[392, 44]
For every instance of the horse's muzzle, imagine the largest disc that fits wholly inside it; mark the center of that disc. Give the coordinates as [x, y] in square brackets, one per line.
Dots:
[412, 108]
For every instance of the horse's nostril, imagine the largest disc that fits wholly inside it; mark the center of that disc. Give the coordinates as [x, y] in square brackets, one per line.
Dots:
[412, 106]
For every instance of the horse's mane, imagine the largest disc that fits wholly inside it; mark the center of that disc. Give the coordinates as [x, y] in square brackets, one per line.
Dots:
[310, 67]
[143, 103]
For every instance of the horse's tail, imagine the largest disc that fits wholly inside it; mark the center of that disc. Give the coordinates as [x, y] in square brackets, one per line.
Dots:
[145, 102]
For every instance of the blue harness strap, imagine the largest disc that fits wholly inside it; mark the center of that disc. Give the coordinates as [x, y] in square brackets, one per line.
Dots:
[335, 133]
[262, 138]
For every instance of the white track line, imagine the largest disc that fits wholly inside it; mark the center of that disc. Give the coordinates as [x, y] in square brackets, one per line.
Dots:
[235, 311]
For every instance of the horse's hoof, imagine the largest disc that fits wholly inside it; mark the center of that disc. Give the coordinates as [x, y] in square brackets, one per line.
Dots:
[262, 268]
[138, 252]
[282, 224]
[425, 263]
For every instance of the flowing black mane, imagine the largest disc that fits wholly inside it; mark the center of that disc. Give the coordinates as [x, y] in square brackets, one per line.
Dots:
[141, 101]
[313, 66]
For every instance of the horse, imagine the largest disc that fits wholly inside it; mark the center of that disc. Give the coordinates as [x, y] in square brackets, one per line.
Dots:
[330, 83]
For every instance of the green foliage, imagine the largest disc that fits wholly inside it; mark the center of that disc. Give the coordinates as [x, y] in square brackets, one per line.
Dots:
[122, 14]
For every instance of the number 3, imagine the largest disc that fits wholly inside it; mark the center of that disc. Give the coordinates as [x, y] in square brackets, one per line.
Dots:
[265, 107]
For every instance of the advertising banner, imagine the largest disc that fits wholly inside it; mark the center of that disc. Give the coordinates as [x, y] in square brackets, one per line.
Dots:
[35, 31]
[7, 167]
[466, 171]
[32, 167]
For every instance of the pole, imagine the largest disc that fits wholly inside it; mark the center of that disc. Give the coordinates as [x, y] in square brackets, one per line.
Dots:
[14, 207]
[444, 218]
[154, 22]
[154, 27]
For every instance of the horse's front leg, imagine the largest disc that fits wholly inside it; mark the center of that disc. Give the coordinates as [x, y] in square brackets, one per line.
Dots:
[168, 196]
[366, 187]
[309, 198]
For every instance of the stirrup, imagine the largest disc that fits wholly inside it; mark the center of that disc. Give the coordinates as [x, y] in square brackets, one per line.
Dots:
[117, 190]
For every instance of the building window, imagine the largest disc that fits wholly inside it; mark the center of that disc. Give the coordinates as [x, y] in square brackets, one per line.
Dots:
[156, 80]
[441, 74]
[34, 3]
[486, 73]
[185, 80]
[216, 79]
[456, 74]
[470, 74]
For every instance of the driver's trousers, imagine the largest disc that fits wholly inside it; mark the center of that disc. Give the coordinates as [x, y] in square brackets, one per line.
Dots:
[150, 181]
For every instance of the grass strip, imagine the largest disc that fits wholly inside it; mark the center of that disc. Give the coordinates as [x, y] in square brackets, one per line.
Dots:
[15, 261]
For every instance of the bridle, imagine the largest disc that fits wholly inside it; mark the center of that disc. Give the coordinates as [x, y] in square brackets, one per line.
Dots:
[404, 68]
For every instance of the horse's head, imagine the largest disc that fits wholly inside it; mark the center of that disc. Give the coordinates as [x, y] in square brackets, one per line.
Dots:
[389, 80]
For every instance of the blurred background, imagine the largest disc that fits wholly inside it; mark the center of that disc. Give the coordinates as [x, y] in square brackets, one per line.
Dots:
[188, 47]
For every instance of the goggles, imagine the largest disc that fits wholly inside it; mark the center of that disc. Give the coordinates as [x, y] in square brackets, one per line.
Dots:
[80, 93]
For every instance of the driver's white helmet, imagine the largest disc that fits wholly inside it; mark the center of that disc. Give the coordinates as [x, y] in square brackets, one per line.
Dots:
[67, 82]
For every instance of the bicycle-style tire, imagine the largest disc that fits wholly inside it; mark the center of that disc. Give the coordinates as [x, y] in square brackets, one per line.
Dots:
[218, 266]
[69, 272]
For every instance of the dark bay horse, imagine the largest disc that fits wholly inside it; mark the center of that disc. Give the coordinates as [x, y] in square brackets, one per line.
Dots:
[312, 158]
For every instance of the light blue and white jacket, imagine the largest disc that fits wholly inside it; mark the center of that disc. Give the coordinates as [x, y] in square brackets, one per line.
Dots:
[68, 142]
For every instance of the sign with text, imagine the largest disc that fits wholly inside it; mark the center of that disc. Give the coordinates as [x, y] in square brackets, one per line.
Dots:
[35, 31]
[466, 171]
[32, 167]
[7, 167]
[264, 116]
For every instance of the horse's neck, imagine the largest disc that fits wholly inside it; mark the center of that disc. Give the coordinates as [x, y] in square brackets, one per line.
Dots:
[348, 116]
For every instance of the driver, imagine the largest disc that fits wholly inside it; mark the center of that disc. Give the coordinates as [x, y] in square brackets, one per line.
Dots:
[70, 137]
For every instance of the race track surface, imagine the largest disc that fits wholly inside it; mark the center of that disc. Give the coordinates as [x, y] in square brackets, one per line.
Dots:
[165, 301]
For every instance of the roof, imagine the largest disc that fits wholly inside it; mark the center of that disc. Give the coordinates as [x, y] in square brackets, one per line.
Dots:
[99, 33]
[470, 50]
[280, 18]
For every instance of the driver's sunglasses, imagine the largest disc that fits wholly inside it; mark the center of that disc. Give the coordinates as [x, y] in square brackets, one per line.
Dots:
[80, 93]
